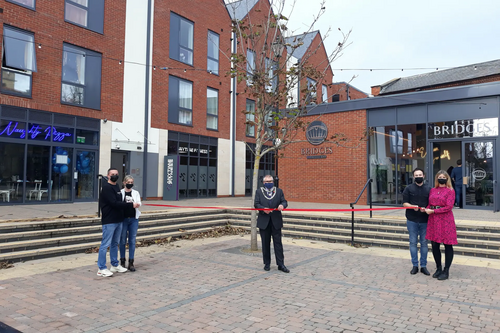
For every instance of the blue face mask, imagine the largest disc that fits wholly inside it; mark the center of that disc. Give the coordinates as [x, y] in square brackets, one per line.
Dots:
[269, 185]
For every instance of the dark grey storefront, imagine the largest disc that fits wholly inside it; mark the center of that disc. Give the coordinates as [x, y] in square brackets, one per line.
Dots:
[432, 130]
[47, 157]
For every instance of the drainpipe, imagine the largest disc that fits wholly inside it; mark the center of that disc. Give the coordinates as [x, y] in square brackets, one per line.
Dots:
[233, 121]
[146, 104]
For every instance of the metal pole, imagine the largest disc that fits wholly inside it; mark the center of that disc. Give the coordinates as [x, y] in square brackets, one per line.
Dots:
[370, 196]
[99, 184]
[352, 225]
[146, 106]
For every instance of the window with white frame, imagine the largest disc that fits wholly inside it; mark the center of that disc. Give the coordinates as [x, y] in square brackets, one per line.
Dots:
[250, 66]
[213, 53]
[212, 108]
[250, 116]
[180, 101]
[85, 13]
[18, 61]
[311, 94]
[81, 77]
[181, 39]
[271, 67]
[324, 91]
[25, 3]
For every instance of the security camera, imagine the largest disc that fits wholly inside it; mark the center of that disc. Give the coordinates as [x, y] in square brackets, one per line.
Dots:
[117, 146]
[105, 120]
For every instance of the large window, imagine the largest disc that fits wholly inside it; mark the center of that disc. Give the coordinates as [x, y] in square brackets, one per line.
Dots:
[86, 13]
[81, 77]
[181, 39]
[212, 108]
[311, 94]
[24, 3]
[250, 66]
[180, 101]
[250, 116]
[213, 53]
[18, 61]
[271, 68]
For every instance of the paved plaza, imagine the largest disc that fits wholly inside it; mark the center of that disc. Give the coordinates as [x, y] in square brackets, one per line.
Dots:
[211, 285]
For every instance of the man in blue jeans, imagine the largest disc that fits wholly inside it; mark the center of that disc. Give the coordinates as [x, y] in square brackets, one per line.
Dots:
[112, 208]
[417, 195]
[456, 176]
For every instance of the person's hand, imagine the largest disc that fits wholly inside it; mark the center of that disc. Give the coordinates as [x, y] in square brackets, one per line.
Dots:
[422, 209]
[136, 205]
[268, 211]
[280, 208]
[429, 211]
[416, 208]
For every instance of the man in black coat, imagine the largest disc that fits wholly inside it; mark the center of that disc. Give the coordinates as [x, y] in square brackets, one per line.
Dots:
[270, 221]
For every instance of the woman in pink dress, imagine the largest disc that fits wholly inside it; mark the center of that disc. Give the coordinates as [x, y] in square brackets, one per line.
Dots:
[441, 225]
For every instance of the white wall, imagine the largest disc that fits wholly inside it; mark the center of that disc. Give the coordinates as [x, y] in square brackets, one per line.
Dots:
[223, 167]
[239, 168]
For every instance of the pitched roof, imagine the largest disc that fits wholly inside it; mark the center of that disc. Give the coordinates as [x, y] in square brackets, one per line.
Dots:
[462, 73]
[305, 38]
[238, 10]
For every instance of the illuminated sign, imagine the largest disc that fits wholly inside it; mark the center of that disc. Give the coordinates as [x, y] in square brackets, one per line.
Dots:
[35, 132]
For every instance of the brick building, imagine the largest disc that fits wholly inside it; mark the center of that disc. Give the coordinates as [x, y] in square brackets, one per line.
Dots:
[60, 77]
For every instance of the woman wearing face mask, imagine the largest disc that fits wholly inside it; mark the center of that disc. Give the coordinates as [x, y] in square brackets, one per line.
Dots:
[441, 226]
[131, 222]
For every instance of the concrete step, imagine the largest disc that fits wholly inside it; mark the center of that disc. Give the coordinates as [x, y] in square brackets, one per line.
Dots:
[81, 247]
[34, 244]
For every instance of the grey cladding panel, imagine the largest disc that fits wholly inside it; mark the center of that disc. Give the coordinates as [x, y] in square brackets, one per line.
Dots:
[412, 114]
[381, 117]
[465, 109]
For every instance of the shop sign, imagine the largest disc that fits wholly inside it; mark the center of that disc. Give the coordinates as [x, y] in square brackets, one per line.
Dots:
[35, 132]
[479, 174]
[316, 134]
[464, 128]
[171, 177]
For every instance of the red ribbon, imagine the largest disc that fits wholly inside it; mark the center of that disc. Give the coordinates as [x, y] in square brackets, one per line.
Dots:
[288, 210]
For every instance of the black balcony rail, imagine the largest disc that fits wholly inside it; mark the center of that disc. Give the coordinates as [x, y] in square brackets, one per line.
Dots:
[99, 188]
[369, 185]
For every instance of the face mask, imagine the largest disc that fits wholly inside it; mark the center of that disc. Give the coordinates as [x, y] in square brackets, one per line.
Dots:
[442, 181]
[114, 178]
[129, 186]
[269, 185]
[419, 180]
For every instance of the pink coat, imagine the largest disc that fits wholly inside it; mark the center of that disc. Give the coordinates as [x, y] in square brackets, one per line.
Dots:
[441, 226]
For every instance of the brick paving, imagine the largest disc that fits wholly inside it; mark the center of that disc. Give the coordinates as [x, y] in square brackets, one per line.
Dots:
[217, 288]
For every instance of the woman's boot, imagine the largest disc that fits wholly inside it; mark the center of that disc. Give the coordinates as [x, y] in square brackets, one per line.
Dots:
[438, 272]
[122, 262]
[131, 265]
[444, 275]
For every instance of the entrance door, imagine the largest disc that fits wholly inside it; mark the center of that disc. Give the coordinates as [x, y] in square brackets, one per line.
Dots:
[120, 161]
[85, 175]
[478, 171]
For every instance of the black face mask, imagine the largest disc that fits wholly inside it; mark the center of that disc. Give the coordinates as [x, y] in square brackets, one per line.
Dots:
[114, 178]
[442, 181]
[129, 186]
[419, 180]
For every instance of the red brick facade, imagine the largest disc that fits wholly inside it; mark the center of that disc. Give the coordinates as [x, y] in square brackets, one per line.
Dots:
[343, 90]
[340, 176]
[50, 32]
[206, 15]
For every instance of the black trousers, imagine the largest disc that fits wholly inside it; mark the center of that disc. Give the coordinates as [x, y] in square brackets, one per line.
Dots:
[265, 236]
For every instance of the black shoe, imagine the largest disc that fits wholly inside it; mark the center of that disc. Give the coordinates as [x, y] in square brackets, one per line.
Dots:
[438, 272]
[131, 265]
[444, 275]
[283, 269]
[414, 270]
[267, 267]
[424, 270]
[122, 262]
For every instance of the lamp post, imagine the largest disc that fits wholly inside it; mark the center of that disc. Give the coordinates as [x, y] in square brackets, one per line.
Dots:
[277, 47]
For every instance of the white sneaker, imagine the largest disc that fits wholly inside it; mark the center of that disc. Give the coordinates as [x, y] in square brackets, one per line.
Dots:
[118, 269]
[104, 272]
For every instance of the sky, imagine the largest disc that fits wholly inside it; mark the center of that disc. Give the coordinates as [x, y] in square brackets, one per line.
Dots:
[402, 34]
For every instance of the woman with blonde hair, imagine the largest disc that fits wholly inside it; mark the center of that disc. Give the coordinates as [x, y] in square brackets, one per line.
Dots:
[131, 222]
[441, 226]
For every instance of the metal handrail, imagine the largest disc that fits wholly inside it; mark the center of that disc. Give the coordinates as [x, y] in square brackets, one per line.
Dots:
[369, 185]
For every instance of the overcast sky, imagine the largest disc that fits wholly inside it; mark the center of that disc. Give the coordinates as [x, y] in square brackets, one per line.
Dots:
[404, 34]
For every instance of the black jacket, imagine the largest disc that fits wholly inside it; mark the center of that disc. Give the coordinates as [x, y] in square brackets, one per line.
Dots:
[416, 195]
[262, 202]
[112, 206]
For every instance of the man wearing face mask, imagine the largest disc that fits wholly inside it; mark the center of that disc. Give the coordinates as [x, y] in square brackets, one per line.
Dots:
[112, 207]
[270, 221]
[417, 195]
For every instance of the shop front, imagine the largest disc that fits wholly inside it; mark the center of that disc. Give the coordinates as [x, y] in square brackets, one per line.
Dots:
[47, 157]
[433, 137]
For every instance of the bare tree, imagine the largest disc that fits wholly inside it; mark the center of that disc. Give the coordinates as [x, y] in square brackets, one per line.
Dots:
[275, 78]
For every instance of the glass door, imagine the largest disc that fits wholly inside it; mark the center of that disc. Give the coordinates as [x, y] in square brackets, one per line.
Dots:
[478, 174]
[85, 175]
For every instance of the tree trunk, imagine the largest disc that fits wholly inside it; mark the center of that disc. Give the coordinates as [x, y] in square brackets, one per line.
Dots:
[255, 182]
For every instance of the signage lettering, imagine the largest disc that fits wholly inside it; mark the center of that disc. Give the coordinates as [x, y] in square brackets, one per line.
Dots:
[170, 171]
[316, 151]
[35, 131]
[475, 127]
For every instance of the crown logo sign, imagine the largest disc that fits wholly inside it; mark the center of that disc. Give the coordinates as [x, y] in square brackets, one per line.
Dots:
[316, 132]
